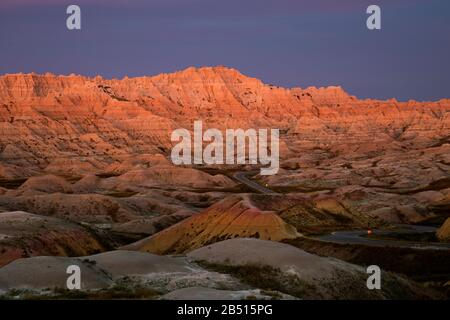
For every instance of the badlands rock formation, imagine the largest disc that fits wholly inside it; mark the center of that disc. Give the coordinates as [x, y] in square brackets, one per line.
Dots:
[268, 217]
[233, 217]
[299, 273]
[24, 234]
[275, 270]
[116, 274]
[75, 124]
[89, 158]
[97, 150]
[444, 231]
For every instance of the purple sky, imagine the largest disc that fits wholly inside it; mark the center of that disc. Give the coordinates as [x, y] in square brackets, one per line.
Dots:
[283, 42]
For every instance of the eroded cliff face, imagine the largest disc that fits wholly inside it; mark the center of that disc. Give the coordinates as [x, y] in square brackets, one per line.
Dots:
[368, 153]
[96, 152]
[85, 166]
[94, 122]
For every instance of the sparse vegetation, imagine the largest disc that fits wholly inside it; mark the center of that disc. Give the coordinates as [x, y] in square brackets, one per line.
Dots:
[120, 292]
[266, 278]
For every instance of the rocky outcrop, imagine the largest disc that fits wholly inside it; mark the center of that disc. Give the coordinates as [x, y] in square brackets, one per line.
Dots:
[24, 234]
[94, 122]
[233, 217]
[110, 275]
[93, 155]
[229, 270]
[296, 272]
[443, 233]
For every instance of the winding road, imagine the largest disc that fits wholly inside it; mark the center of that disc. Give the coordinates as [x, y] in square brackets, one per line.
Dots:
[241, 176]
[358, 237]
[361, 238]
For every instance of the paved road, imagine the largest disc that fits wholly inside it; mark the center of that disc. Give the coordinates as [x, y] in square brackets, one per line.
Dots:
[357, 237]
[241, 176]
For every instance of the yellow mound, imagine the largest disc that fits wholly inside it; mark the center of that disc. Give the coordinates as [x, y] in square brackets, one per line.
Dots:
[233, 217]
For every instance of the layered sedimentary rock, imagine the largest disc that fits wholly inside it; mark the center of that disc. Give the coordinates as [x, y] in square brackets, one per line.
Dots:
[233, 217]
[88, 159]
[97, 151]
[444, 231]
[24, 234]
[300, 274]
[233, 269]
[90, 123]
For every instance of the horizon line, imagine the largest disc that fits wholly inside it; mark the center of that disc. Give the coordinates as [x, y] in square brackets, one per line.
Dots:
[126, 77]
